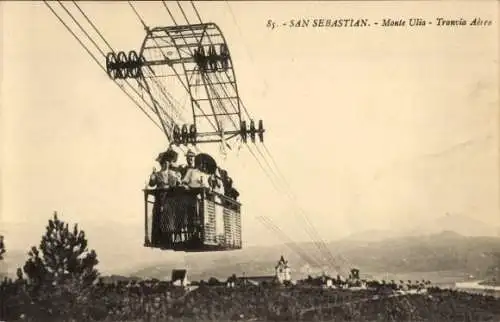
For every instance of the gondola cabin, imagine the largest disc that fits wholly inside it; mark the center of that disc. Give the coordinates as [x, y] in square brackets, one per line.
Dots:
[191, 220]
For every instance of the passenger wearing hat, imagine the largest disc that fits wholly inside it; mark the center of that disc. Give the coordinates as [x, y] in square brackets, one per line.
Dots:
[227, 182]
[166, 177]
[195, 177]
[183, 169]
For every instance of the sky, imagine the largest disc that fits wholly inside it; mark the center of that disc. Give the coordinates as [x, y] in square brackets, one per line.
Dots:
[373, 128]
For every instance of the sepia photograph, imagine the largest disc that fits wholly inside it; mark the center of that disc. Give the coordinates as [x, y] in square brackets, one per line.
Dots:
[249, 161]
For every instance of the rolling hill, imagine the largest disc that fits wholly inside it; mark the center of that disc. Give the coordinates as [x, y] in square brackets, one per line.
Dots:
[446, 251]
[434, 246]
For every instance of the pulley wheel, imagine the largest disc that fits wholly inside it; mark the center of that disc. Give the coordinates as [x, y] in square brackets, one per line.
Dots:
[212, 54]
[203, 59]
[243, 131]
[133, 64]
[192, 134]
[176, 134]
[252, 130]
[224, 56]
[122, 70]
[184, 134]
[111, 65]
[261, 131]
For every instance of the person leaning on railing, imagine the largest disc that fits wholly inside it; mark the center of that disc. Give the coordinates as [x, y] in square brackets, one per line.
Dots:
[227, 182]
[167, 176]
[195, 177]
[183, 169]
[215, 182]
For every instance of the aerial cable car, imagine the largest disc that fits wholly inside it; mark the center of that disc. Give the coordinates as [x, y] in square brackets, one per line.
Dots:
[190, 216]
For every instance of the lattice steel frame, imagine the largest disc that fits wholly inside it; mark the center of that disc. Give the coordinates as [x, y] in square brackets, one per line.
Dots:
[178, 46]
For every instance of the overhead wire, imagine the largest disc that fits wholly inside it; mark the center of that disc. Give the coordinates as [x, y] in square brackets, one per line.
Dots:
[212, 87]
[146, 84]
[289, 242]
[96, 29]
[217, 125]
[207, 79]
[138, 16]
[253, 154]
[98, 47]
[93, 56]
[241, 36]
[163, 54]
[165, 57]
[102, 53]
[223, 84]
[312, 232]
[99, 64]
[111, 48]
[309, 227]
[169, 12]
[234, 85]
[322, 244]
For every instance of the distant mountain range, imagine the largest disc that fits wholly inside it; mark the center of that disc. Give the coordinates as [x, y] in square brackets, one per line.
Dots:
[457, 223]
[451, 243]
[460, 224]
[446, 251]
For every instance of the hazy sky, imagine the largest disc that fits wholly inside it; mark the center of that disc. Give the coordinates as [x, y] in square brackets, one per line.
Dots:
[372, 127]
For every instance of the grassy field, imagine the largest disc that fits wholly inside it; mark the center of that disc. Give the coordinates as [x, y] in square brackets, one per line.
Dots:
[163, 302]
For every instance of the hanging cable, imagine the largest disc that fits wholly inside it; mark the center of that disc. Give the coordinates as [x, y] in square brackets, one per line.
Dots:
[169, 12]
[98, 63]
[165, 57]
[138, 16]
[312, 235]
[207, 80]
[311, 231]
[103, 54]
[290, 243]
[93, 56]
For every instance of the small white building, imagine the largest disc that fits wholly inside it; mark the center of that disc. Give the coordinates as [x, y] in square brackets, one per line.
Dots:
[327, 282]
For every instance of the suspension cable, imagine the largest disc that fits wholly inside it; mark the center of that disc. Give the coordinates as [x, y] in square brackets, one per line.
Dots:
[102, 52]
[216, 94]
[98, 63]
[95, 59]
[311, 231]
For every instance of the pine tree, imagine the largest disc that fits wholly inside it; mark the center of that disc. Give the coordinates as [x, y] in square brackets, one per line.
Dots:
[3, 265]
[61, 271]
[2, 247]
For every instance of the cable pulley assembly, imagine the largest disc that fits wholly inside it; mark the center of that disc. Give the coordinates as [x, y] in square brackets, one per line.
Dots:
[122, 66]
[252, 131]
[215, 60]
[184, 135]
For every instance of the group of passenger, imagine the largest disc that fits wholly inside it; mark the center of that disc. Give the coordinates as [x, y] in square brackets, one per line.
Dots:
[176, 221]
[194, 174]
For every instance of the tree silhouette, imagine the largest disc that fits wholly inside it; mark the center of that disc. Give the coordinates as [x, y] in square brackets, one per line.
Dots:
[2, 247]
[61, 271]
[213, 281]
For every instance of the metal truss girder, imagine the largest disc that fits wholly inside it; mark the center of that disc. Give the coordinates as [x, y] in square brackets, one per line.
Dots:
[219, 87]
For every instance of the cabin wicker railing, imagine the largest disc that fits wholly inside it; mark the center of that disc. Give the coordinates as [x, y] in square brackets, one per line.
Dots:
[204, 218]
